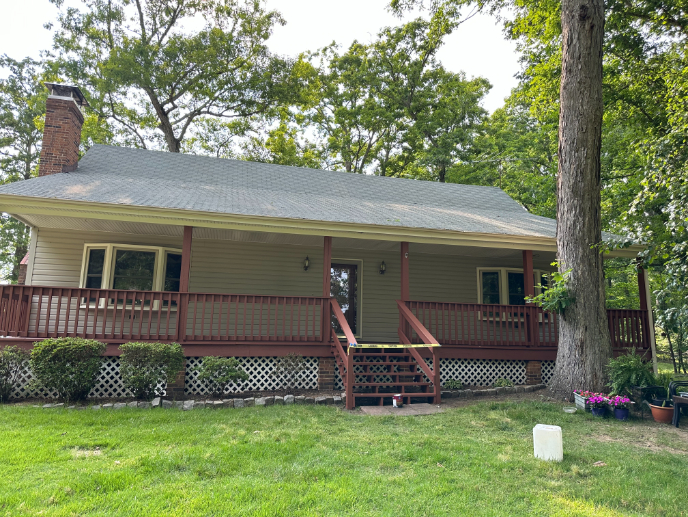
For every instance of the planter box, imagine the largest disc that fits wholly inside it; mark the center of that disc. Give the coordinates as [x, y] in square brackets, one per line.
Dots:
[581, 402]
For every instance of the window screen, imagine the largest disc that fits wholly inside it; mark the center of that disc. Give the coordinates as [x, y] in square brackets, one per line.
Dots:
[490, 287]
[134, 270]
[516, 289]
[94, 273]
[173, 272]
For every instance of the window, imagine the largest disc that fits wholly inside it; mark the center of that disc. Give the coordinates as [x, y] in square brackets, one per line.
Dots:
[505, 285]
[127, 267]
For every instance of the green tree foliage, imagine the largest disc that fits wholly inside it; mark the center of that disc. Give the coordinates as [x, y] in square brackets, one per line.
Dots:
[390, 108]
[156, 80]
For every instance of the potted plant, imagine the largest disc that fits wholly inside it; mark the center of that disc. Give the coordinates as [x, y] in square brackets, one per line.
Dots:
[582, 396]
[621, 406]
[663, 408]
[598, 405]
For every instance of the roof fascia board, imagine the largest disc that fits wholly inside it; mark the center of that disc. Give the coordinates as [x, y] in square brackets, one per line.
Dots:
[40, 206]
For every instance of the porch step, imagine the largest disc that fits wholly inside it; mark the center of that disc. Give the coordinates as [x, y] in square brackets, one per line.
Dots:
[390, 383]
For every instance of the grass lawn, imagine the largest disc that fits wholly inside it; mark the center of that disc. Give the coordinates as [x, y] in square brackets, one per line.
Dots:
[318, 460]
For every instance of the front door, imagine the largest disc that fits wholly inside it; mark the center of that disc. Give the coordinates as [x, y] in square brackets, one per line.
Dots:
[344, 288]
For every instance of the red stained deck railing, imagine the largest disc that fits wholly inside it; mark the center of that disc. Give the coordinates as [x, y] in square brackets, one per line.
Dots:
[108, 314]
[480, 325]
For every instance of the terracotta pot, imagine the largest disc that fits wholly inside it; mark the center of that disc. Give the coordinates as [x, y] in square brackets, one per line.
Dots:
[663, 415]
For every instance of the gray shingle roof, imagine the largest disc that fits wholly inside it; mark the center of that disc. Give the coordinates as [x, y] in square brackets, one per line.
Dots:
[119, 175]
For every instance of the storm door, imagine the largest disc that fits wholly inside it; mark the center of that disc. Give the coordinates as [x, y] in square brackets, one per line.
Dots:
[344, 288]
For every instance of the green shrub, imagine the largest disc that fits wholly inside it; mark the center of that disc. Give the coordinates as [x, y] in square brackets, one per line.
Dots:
[629, 370]
[12, 361]
[220, 372]
[503, 383]
[69, 365]
[146, 368]
[453, 384]
[555, 297]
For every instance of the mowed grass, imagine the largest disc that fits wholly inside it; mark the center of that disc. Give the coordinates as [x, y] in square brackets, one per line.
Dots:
[319, 460]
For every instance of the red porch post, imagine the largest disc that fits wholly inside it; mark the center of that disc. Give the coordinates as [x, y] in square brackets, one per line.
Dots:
[528, 280]
[327, 275]
[646, 305]
[184, 283]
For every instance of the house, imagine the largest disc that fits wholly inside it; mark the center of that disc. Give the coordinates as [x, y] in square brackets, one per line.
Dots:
[255, 260]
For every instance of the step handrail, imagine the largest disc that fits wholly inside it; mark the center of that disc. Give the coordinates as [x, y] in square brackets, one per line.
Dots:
[416, 325]
[341, 319]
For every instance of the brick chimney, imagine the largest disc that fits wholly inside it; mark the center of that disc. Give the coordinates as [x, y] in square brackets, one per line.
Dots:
[62, 133]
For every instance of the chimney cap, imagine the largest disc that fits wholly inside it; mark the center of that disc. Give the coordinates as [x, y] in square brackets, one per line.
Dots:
[66, 90]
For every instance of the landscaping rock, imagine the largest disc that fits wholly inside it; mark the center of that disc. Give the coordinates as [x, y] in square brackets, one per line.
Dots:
[468, 393]
[156, 402]
[309, 400]
[228, 403]
[447, 394]
[300, 399]
[337, 400]
[71, 407]
[217, 403]
[478, 393]
[529, 389]
[144, 404]
[133, 404]
[288, 399]
[96, 407]
[509, 390]
[81, 408]
[179, 404]
[540, 386]
[269, 401]
[321, 400]
[500, 391]
[187, 405]
[108, 406]
[119, 405]
[491, 392]
[239, 402]
[199, 405]
[248, 402]
[61, 404]
[519, 389]
[167, 404]
[279, 401]
[260, 401]
[48, 406]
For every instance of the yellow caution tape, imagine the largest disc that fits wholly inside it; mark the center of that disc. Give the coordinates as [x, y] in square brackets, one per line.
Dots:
[387, 345]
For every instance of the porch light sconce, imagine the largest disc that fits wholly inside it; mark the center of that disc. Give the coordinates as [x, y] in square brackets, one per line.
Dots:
[383, 267]
[306, 264]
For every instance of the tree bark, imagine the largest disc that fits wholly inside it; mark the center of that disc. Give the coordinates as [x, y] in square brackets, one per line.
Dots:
[584, 341]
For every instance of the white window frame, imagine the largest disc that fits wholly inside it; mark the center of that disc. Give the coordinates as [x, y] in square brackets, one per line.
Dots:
[504, 281]
[109, 262]
[359, 312]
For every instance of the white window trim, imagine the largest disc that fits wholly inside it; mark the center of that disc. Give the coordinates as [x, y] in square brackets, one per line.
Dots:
[503, 281]
[109, 263]
[359, 312]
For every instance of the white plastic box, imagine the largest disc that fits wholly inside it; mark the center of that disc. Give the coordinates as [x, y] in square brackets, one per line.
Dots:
[547, 442]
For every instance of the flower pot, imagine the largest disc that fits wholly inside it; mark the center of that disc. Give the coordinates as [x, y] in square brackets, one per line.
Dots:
[580, 402]
[621, 413]
[661, 402]
[598, 411]
[663, 415]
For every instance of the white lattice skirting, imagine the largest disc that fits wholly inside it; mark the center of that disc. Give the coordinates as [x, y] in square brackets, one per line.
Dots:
[476, 372]
[260, 373]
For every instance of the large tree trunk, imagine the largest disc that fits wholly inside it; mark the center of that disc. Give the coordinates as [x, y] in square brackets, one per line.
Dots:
[584, 342]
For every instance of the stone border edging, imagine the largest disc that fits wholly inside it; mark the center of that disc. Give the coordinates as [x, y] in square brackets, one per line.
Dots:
[492, 392]
[186, 405]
